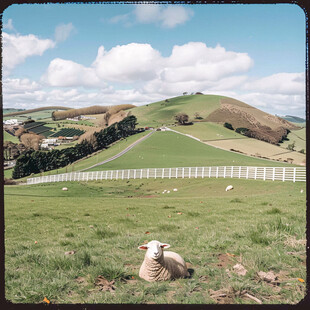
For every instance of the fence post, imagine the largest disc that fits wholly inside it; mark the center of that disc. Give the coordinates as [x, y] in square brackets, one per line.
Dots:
[162, 174]
[209, 172]
[155, 173]
[255, 174]
[141, 172]
[182, 173]
[217, 172]
[247, 172]
[294, 175]
[203, 172]
[111, 174]
[239, 172]
[106, 174]
[273, 173]
[147, 173]
[97, 175]
[232, 171]
[189, 172]
[264, 173]
[196, 172]
[116, 174]
[128, 176]
[169, 173]
[101, 175]
[123, 171]
[283, 176]
[176, 172]
[224, 172]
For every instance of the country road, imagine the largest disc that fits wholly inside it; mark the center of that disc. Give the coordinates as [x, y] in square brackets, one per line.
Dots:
[122, 152]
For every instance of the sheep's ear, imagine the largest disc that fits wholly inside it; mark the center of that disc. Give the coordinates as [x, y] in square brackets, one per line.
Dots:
[142, 247]
[165, 245]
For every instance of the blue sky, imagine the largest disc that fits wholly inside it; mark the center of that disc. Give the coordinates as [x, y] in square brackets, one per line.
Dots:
[87, 54]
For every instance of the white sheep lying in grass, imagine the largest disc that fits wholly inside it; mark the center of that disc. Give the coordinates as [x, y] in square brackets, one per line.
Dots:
[175, 189]
[64, 188]
[229, 187]
[159, 265]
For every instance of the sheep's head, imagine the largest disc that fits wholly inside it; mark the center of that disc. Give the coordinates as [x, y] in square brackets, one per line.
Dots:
[154, 249]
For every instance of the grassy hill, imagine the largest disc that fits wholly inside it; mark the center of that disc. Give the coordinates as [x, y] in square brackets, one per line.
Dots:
[8, 137]
[162, 112]
[169, 149]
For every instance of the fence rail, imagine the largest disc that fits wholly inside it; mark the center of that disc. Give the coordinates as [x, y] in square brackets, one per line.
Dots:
[294, 174]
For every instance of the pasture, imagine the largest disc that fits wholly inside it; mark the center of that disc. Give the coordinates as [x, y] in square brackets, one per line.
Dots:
[259, 224]
[169, 149]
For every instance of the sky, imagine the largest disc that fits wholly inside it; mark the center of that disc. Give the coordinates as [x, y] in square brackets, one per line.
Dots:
[78, 55]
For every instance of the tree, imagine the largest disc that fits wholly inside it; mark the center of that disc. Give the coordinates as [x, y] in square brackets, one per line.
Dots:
[291, 147]
[228, 126]
[19, 132]
[31, 140]
[182, 118]
[185, 93]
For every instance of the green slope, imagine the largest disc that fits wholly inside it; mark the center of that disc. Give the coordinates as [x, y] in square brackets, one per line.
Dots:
[209, 131]
[169, 149]
[8, 137]
[161, 112]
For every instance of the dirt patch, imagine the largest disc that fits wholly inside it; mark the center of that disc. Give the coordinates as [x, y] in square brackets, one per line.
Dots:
[293, 242]
[224, 260]
[104, 285]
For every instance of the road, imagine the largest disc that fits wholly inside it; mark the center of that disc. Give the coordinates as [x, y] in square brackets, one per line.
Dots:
[122, 152]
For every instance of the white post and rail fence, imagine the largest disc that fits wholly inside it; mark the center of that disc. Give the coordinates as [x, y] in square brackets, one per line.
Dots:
[293, 174]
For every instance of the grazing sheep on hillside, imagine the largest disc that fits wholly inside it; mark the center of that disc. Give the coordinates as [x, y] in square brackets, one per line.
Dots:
[64, 188]
[168, 192]
[229, 187]
[159, 265]
[175, 189]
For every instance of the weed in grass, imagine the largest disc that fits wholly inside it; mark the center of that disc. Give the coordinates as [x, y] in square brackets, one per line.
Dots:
[69, 235]
[168, 227]
[274, 211]
[167, 207]
[64, 242]
[36, 214]
[258, 236]
[238, 200]
[102, 233]
[279, 226]
[114, 273]
[265, 203]
[193, 214]
[86, 214]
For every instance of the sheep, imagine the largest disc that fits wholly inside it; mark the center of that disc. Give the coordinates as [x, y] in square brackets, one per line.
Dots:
[301, 191]
[64, 188]
[229, 187]
[168, 192]
[175, 189]
[159, 265]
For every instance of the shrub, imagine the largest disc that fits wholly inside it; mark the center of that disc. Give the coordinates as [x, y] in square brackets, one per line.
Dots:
[228, 126]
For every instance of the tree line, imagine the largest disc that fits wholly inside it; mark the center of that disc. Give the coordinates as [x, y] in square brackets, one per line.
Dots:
[59, 115]
[33, 161]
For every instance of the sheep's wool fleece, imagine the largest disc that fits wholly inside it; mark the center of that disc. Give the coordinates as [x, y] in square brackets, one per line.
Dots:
[170, 266]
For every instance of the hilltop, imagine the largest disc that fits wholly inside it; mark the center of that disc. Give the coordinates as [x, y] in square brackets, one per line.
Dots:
[216, 109]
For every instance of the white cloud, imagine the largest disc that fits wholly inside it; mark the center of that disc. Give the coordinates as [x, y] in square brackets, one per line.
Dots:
[9, 25]
[63, 31]
[175, 15]
[66, 73]
[127, 63]
[16, 48]
[280, 83]
[167, 17]
[13, 86]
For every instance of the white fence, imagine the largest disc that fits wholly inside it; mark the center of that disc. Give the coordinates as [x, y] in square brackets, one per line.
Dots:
[294, 174]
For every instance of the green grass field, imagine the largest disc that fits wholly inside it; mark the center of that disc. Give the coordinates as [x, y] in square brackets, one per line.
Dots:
[169, 149]
[160, 113]
[40, 115]
[297, 136]
[8, 137]
[209, 131]
[260, 224]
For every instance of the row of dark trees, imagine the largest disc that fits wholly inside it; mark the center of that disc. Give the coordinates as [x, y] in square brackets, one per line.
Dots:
[38, 161]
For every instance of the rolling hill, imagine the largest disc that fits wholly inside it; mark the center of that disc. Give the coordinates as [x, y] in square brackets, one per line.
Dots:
[213, 112]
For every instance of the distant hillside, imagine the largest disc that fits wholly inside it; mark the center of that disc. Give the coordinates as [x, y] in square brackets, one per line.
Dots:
[11, 110]
[294, 119]
[216, 109]
[21, 112]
